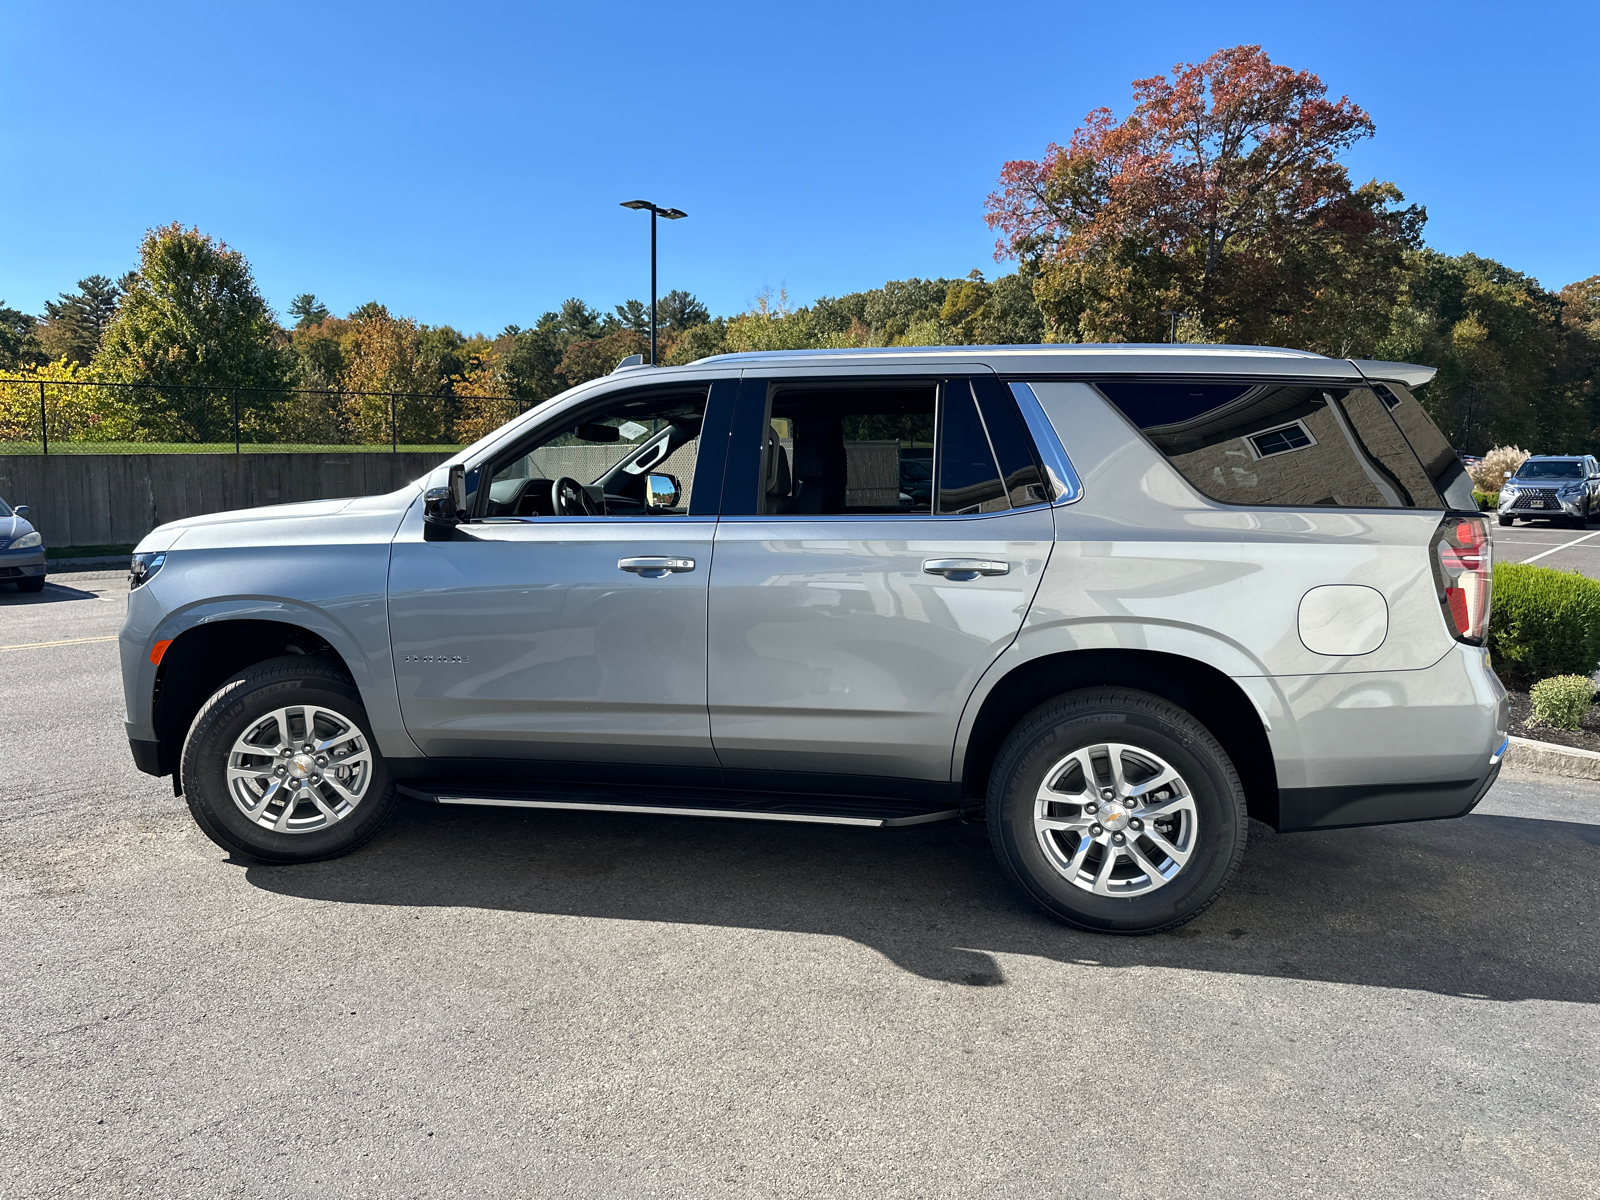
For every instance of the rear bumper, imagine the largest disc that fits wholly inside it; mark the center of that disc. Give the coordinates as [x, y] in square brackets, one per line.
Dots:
[1372, 748]
[1302, 809]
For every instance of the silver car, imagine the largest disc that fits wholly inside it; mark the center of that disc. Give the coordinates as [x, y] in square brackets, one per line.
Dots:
[1150, 591]
[1563, 487]
[22, 559]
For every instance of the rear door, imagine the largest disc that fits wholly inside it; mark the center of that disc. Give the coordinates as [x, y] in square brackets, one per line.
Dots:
[852, 611]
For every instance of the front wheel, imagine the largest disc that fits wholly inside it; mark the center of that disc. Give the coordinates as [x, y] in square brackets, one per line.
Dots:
[31, 583]
[1116, 811]
[280, 765]
[1507, 520]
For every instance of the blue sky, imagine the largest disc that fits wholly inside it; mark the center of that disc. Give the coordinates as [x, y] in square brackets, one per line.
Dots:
[463, 162]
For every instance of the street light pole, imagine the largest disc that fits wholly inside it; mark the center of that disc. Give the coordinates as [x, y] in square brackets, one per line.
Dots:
[671, 214]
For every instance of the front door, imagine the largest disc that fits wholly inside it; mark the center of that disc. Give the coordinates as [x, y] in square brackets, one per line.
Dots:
[567, 620]
[895, 533]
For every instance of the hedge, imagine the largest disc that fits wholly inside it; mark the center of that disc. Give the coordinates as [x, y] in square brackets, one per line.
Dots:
[1543, 622]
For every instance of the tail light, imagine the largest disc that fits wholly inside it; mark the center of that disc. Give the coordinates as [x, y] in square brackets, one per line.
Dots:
[1462, 560]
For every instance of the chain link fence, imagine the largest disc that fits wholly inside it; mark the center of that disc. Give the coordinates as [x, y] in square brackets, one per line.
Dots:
[52, 416]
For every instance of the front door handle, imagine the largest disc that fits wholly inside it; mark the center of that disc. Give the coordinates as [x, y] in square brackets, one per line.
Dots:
[965, 568]
[654, 568]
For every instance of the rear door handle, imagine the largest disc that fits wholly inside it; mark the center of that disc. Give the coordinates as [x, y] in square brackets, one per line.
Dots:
[654, 568]
[965, 568]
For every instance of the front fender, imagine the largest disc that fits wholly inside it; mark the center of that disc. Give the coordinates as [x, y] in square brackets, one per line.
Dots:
[349, 612]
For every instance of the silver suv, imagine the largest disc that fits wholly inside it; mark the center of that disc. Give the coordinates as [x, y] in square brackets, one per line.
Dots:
[1126, 596]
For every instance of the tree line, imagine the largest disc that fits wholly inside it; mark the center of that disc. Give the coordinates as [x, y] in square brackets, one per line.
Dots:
[1217, 210]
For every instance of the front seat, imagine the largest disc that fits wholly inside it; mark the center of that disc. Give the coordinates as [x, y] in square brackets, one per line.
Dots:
[820, 464]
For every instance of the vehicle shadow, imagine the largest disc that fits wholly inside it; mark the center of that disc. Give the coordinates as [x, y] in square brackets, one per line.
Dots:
[1486, 906]
[54, 593]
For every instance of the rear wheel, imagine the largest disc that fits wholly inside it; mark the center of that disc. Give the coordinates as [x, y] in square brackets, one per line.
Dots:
[280, 764]
[1116, 811]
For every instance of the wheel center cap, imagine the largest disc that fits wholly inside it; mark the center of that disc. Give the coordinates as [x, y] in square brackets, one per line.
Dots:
[1114, 817]
[301, 766]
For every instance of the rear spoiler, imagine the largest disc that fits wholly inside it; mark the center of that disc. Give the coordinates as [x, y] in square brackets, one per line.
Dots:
[1407, 373]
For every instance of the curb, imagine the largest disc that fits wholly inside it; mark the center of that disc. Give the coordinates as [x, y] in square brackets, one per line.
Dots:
[1553, 759]
[86, 564]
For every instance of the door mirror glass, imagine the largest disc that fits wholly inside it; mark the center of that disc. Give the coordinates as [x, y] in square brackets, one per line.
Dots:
[662, 491]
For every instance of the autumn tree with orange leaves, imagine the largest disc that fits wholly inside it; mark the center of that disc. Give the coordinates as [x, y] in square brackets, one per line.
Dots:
[1221, 197]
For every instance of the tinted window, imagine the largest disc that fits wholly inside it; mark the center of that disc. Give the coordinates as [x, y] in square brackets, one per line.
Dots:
[1280, 444]
[849, 450]
[1438, 458]
[969, 480]
[1013, 448]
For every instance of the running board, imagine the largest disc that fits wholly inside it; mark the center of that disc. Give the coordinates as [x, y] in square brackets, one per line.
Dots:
[744, 806]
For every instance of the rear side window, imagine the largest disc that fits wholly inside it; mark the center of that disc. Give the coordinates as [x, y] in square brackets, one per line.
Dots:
[1281, 444]
[1439, 460]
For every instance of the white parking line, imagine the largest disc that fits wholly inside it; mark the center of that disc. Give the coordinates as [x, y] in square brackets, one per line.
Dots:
[62, 642]
[1563, 546]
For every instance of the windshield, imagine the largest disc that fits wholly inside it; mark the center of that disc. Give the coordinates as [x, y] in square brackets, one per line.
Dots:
[5, 510]
[1550, 470]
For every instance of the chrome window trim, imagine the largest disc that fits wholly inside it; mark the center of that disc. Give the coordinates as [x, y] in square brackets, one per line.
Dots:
[1051, 453]
[856, 518]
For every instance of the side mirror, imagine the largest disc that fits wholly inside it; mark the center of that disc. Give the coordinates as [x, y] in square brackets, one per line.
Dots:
[443, 508]
[21, 510]
[1507, 474]
[662, 491]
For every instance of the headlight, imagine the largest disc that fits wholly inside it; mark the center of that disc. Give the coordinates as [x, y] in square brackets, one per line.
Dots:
[143, 567]
[28, 541]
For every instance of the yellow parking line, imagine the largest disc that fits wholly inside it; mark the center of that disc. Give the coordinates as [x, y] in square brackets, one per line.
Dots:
[62, 642]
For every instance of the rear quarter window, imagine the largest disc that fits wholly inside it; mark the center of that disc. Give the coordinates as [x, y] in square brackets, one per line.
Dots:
[1293, 445]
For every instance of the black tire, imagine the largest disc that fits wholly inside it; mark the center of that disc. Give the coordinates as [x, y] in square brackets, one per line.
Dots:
[31, 583]
[256, 691]
[1145, 722]
[1507, 520]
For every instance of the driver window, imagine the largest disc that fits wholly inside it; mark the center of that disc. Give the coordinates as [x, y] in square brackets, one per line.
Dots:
[634, 457]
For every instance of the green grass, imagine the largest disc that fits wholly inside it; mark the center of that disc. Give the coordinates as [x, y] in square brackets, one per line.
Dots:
[55, 552]
[211, 448]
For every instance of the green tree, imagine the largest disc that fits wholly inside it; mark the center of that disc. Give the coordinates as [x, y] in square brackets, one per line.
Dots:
[307, 311]
[74, 326]
[191, 327]
[679, 311]
[18, 345]
[634, 315]
[1510, 371]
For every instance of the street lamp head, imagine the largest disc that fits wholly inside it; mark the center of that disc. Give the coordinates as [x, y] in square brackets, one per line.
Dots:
[671, 214]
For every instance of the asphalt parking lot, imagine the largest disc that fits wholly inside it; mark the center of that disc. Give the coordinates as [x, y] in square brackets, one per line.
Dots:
[1549, 545]
[494, 1003]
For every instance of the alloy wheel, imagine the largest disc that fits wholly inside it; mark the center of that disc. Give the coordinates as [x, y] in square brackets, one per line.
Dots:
[1115, 820]
[299, 769]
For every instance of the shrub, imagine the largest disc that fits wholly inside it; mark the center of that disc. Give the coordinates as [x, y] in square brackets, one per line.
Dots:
[1488, 475]
[1563, 701]
[1543, 623]
[1486, 501]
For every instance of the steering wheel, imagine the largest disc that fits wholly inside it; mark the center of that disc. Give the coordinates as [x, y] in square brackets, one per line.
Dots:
[568, 499]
